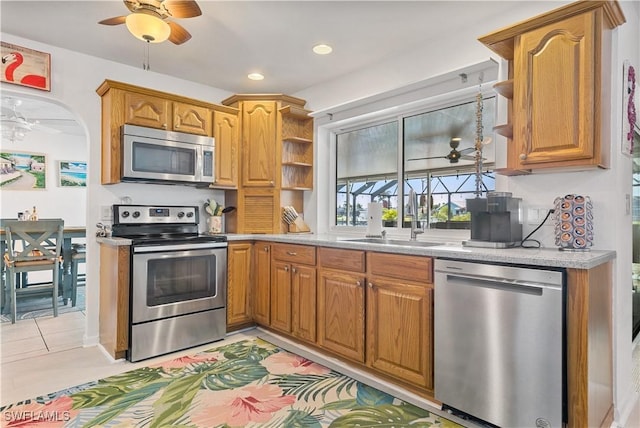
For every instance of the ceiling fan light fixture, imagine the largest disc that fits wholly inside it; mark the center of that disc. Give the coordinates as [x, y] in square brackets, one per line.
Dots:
[148, 27]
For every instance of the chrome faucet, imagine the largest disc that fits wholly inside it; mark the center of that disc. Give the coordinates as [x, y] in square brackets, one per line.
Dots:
[413, 212]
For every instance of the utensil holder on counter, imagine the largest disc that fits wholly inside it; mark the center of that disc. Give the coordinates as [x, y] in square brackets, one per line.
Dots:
[214, 224]
[295, 223]
[574, 222]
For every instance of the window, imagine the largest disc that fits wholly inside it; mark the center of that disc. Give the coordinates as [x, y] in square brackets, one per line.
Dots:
[431, 152]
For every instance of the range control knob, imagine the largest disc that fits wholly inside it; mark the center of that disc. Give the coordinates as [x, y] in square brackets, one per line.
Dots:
[180, 214]
[136, 214]
[124, 214]
[190, 214]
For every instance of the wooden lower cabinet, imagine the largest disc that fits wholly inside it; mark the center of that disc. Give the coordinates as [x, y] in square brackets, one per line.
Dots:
[115, 266]
[281, 296]
[262, 283]
[293, 290]
[341, 326]
[239, 258]
[304, 302]
[399, 330]
[400, 317]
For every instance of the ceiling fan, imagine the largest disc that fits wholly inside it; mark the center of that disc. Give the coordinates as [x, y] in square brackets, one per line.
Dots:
[15, 125]
[149, 19]
[454, 155]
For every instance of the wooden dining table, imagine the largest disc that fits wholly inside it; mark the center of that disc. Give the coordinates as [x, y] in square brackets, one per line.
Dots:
[69, 233]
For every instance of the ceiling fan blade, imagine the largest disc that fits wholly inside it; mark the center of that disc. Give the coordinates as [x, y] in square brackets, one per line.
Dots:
[42, 128]
[182, 8]
[178, 33]
[113, 21]
[430, 157]
[467, 150]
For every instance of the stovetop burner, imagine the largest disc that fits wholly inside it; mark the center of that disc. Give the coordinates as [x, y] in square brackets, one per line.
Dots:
[158, 239]
[159, 224]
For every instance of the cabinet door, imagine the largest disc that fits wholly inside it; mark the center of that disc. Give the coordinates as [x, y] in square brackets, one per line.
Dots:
[304, 302]
[238, 283]
[191, 119]
[259, 152]
[341, 313]
[399, 330]
[258, 211]
[147, 110]
[261, 282]
[225, 132]
[554, 105]
[281, 296]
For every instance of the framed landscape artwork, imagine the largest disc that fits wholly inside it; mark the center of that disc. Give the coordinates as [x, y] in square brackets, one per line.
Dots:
[26, 67]
[72, 174]
[23, 171]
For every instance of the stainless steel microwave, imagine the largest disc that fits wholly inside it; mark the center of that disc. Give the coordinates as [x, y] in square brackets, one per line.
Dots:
[158, 156]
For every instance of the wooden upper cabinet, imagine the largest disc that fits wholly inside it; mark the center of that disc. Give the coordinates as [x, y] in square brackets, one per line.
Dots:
[146, 110]
[559, 70]
[191, 119]
[226, 134]
[259, 152]
[128, 104]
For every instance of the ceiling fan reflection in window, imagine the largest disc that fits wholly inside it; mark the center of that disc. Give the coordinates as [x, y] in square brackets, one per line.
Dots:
[454, 155]
[149, 19]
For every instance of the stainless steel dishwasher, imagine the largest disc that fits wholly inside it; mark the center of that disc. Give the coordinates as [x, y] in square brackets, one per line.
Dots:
[500, 343]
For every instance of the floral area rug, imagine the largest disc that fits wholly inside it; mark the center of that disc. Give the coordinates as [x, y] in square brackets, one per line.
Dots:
[250, 383]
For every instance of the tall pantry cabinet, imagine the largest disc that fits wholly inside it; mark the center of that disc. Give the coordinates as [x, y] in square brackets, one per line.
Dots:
[276, 139]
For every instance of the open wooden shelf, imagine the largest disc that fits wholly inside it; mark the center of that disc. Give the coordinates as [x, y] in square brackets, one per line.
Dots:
[298, 140]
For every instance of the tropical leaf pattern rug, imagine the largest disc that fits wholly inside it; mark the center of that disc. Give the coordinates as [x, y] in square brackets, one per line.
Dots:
[250, 383]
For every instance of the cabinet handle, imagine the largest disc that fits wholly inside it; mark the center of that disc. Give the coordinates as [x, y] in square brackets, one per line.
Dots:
[293, 270]
[266, 249]
[164, 125]
[271, 183]
[177, 125]
[358, 283]
[292, 253]
[370, 285]
[286, 268]
[523, 156]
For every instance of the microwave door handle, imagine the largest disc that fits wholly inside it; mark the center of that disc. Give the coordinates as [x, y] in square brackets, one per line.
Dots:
[199, 163]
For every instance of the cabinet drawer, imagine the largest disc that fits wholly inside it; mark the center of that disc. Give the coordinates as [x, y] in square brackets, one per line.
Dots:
[412, 268]
[294, 253]
[349, 260]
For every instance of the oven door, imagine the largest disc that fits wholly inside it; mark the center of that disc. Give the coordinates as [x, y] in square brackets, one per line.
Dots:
[171, 280]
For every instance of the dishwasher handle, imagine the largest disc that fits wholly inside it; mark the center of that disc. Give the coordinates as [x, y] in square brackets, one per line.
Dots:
[522, 287]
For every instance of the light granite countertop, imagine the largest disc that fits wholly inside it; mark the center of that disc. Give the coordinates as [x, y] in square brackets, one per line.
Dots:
[453, 250]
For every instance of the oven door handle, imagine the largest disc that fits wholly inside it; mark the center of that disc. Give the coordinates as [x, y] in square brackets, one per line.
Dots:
[178, 247]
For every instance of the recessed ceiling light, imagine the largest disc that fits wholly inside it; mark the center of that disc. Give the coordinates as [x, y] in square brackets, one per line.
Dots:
[255, 76]
[322, 49]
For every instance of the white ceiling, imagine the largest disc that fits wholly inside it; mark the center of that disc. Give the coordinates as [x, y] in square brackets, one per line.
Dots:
[234, 38]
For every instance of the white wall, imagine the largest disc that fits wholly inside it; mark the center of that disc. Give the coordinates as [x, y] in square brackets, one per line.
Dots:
[75, 78]
[607, 188]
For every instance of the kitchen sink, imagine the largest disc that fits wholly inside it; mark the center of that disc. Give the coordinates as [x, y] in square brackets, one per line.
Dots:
[395, 242]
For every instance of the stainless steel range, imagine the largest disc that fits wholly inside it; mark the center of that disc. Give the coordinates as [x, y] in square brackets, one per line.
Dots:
[178, 279]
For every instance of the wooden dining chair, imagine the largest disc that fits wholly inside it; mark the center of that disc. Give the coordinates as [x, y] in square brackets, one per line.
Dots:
[39, 250]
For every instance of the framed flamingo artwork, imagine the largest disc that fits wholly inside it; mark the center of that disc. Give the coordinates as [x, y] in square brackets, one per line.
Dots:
[25, 67]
